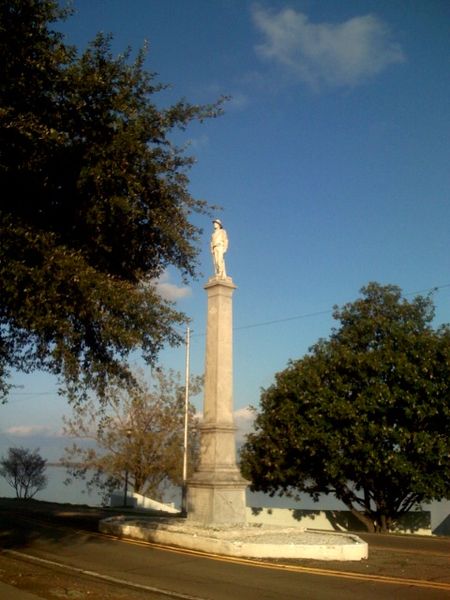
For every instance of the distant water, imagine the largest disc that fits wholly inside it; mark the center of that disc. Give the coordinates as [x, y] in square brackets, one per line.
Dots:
[57, 491]
[75, 493]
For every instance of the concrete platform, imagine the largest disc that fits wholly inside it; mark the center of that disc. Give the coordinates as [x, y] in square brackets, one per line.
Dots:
[246, 541]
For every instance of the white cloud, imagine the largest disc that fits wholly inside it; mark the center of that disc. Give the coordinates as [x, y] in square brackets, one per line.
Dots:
[343, 54]
[243, 419]
[199, 142]
[171, 291]
[31, 430]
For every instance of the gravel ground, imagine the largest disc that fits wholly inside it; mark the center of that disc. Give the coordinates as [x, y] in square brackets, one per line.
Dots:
[260, 534]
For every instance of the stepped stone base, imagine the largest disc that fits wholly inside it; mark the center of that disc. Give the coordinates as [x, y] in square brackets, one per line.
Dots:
[216, 502]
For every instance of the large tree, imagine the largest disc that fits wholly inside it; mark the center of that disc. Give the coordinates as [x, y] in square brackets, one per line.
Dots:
[140, 432]
[95, 203]
[365, 415]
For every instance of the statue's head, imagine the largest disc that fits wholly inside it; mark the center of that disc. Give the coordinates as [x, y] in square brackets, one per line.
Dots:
[218, 222]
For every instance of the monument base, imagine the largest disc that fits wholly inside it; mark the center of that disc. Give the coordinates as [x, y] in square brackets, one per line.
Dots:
[256, 540]
[217, 502]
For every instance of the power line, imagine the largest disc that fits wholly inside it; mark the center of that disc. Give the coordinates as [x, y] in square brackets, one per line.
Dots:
[430, 290]
[31, 393]
[319, 313]
[283, 320]
[263, 324]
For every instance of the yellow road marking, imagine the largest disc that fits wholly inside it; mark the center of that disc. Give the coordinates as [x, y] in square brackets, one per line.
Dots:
[271, 566]
[288, 568]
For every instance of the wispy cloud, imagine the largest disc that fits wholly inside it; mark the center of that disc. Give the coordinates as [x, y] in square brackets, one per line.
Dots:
[235, 99]
[32, 430]
[343, 54]
[171, 291]
[200, 142]
[238, 101]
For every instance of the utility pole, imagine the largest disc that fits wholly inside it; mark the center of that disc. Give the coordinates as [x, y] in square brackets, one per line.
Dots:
[186, 422]
[128, 433]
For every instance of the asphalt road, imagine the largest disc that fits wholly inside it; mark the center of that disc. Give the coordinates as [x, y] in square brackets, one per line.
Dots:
[59, 554]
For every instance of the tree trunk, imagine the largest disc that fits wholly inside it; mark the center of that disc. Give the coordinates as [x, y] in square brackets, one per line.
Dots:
[383, 523]
[366, 520]
[138, 484]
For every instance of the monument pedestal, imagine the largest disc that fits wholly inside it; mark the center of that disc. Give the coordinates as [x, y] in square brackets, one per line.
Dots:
[216, 492]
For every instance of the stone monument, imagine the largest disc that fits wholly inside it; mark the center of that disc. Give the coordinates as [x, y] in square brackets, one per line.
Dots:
[216, 491]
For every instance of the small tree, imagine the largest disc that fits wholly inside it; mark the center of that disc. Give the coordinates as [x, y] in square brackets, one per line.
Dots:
[364, 416]
[24, 470]
[135, 432]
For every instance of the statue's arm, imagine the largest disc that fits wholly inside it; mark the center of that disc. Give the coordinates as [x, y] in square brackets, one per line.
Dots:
[225, 241]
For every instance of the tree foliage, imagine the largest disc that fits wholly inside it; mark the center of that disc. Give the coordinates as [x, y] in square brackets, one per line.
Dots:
[24, 470]
[365, 415]
[138, 431]
[95, 203]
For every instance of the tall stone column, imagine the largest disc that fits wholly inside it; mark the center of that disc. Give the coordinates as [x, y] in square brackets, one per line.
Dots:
[216, 492]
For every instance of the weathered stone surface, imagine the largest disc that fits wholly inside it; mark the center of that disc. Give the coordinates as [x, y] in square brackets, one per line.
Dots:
[216, 492]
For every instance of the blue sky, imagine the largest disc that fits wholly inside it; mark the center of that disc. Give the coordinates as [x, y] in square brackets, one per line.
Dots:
[331, 164]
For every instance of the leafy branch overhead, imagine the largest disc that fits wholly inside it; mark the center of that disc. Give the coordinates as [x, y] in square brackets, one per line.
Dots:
[95, 203]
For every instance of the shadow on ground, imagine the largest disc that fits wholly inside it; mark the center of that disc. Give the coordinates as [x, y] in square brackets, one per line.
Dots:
[24, 521]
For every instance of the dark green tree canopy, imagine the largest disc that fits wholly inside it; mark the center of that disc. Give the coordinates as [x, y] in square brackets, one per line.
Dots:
[365, 415]
[95, 203]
